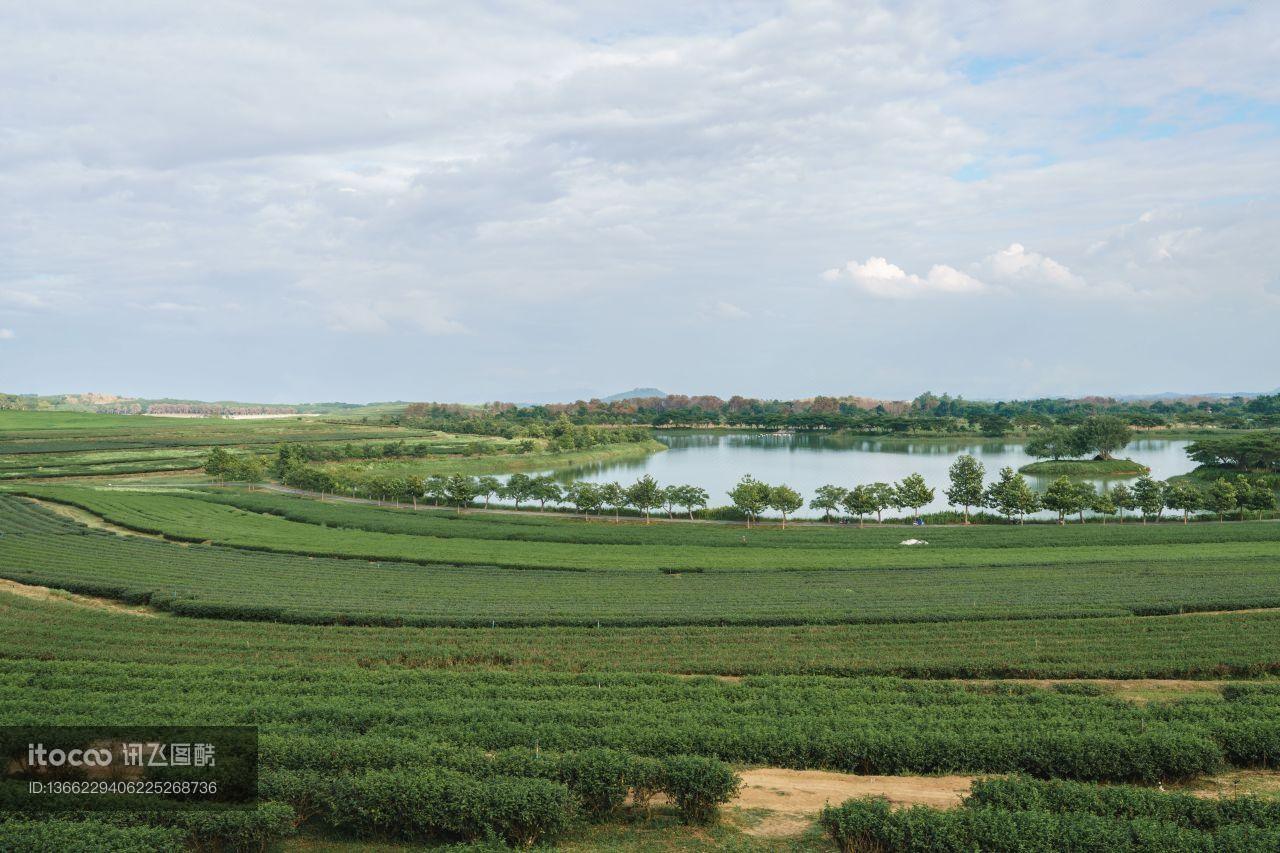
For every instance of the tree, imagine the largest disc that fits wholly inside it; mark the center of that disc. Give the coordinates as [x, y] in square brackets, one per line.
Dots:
[827, 498]
[613, 495]
[436, 487]
[1183, 496]
[885, 496]
[785, 500]
[543, 489]
[416, 487]
[1244, 494]
[1065, 497]
[489, 486]
[861, 501]
[1222, 497]
[669, 497]
[1103, 504]
[1148, 494]
[461, 490]
[750, 496]
[218, 463]
[691, 497]
[1123, 498]
[248, 469]
[1011, 495]
[966, 483]
[1052, 443]
[645, 494]
[518, 488]
[913, 492]
[585, 497]
[1103, 435]
[1262, 498]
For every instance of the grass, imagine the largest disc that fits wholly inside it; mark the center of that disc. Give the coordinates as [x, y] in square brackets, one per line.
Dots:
[1086, 468]
[1152, 647]
[903, 585]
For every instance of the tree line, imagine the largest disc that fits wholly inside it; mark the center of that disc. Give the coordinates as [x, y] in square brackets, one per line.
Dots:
[1010, 494]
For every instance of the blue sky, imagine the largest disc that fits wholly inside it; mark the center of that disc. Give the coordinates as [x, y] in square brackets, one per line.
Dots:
[528, 201]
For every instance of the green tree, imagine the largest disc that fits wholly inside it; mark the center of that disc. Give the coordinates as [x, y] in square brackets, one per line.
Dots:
[691, 497]
[489, 486]
[1122, 497]
[1244, 494]
[645, 494]
[1183, 496]
[218, 463]
[1148, 494]
[461, 490]
[1065, 497]
[827, 498]
[861, 501]
[416, 487]
[518, 488]
[1103, 435]
[1104, 505]
[913, 492]
[1262, 498]
[966, 483]
[436, 487]
[1011, 495]
[785, 500]
[1222, 497]
[750, 496]
[585, 497]
[248, 469]
[542, 489]
[1053, 443]
[885, 496]
[614, 496]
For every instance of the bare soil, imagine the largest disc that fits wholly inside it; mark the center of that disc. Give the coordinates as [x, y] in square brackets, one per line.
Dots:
[44, 593]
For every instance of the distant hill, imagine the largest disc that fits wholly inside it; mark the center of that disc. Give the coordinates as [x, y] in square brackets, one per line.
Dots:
[633, 394]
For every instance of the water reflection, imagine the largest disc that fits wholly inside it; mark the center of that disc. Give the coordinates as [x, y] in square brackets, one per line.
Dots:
[804, 461]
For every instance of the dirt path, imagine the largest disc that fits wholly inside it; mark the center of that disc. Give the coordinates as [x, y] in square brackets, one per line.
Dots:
[88, 519]
[792, 799]
[44, 593]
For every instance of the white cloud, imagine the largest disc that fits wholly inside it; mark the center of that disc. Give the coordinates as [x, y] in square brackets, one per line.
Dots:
[1018, 267]
[880, 278]
[729, 311]
[6, 334]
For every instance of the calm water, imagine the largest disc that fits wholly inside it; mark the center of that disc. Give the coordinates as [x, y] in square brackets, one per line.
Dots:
[804, 461]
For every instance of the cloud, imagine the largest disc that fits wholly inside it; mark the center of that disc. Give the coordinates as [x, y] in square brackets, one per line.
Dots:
[880, 278]
[6, 334]
[1018, 267]
[729, 311]
[415, 309]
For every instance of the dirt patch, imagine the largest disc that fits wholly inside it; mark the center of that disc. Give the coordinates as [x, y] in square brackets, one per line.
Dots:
[1238, 783]
[791, 799]
[44, 593]
[88, 519]
[1131, 689]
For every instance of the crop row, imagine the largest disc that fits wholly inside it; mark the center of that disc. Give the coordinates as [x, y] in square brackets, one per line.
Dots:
[190, 519]
[213, 581]
[853, 725]
[1028, 815]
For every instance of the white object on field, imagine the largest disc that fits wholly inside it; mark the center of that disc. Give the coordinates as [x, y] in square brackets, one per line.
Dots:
[914, 542]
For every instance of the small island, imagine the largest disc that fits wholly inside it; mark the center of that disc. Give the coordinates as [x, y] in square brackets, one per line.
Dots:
[1086, 468]
[1098, 437]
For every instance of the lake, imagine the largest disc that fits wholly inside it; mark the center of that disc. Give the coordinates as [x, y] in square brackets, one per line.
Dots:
[716, 460]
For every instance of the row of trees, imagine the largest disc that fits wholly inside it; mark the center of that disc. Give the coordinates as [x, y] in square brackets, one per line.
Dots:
[1013, 497]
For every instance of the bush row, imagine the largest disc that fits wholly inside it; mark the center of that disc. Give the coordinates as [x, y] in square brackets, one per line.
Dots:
[871, 825]
[1018, 793]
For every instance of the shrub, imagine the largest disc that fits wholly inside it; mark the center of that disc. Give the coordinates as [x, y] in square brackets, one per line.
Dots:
[71, 836]
[599, 778]
[698, 786]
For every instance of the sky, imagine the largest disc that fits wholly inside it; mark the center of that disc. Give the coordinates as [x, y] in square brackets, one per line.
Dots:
[528, 201]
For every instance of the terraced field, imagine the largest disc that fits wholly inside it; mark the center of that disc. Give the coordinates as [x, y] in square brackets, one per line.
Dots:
[230, 582]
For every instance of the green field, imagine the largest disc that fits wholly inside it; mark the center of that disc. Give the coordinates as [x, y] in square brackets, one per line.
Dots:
[1086, 468]
[426, 677]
